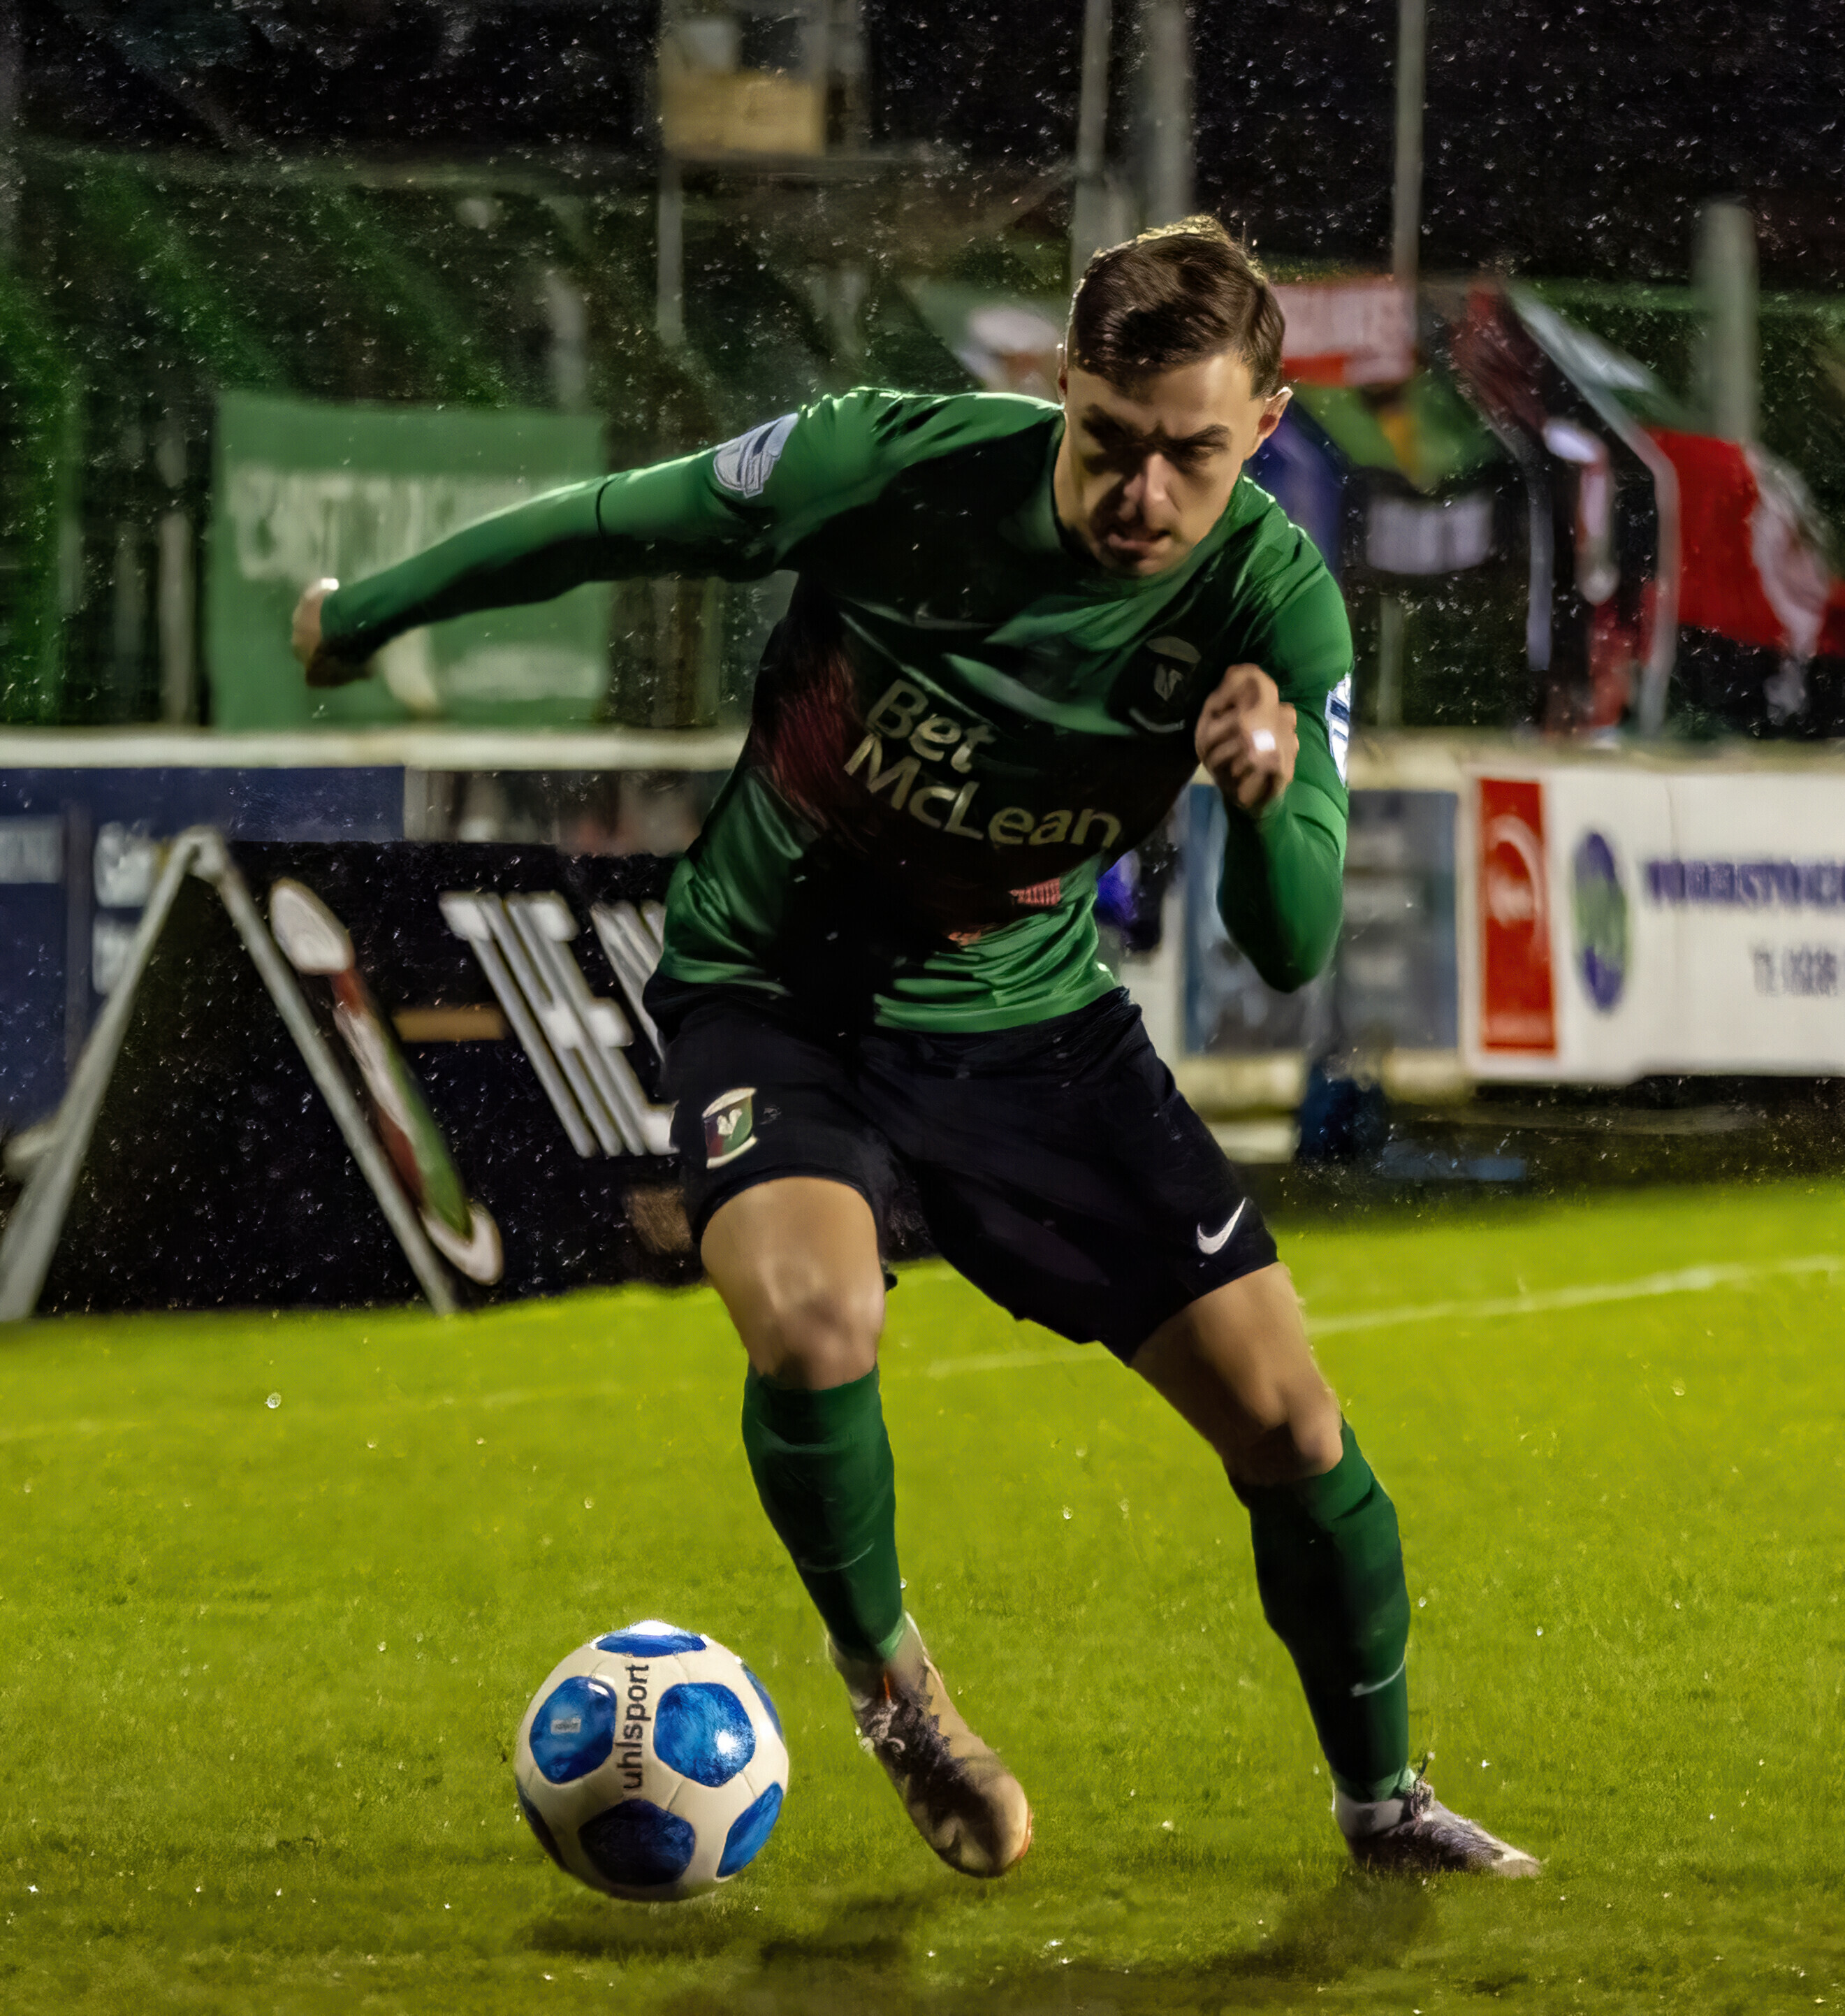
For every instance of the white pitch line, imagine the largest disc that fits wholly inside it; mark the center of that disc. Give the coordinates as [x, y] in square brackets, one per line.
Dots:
[1022, 1361]
[1685, 1281]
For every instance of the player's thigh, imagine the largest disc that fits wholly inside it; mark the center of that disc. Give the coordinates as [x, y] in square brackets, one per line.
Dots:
[1060, 1169]
[796, 1262]
[1237, 1365]
[786, 1182]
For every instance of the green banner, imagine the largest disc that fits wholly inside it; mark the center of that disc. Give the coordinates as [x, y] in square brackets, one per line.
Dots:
[302, 490]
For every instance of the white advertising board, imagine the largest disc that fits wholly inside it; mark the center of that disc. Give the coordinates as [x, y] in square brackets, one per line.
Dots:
[1616, 922]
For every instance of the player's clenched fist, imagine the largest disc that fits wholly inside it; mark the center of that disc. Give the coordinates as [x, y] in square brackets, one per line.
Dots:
[1247, 740]
[323, 668]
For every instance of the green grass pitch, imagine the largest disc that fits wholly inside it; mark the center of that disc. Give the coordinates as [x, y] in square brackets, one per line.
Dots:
[261, 1661]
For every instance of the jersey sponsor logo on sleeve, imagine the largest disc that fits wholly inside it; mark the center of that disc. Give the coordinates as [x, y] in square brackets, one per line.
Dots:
[1338, 722]
[745, 465]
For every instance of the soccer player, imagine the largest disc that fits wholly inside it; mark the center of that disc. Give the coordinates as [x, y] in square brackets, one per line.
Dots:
[1016, 628]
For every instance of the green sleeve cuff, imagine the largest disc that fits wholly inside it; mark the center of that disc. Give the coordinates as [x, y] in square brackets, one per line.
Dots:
[1280, 895]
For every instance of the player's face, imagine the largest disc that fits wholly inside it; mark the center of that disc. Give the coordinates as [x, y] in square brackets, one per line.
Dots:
[1147, 465]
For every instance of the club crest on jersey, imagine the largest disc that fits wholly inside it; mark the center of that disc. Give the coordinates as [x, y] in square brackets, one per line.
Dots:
[745, 465]
[1173, 660]
[730, 1126]
[1176, 658]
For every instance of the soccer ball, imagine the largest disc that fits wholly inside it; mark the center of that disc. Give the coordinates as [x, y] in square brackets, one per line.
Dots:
[651, 1764]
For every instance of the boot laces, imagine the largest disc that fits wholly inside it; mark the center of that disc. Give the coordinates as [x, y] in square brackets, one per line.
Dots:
[901, 1725]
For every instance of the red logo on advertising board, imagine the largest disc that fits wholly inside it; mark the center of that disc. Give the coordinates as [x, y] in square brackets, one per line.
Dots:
[1518, 1005]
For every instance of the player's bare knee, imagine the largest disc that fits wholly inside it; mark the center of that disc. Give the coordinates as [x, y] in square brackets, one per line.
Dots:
[817, 1332]
[1284, 1438]
[1315, 1430]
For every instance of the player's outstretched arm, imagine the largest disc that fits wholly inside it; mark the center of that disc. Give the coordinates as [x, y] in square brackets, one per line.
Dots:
[735, 511]
[1284, 848]
[738, 511]
[527, 553]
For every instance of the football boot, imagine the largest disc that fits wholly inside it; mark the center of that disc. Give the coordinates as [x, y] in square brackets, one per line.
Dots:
[961, 1799]
[1425, 1839]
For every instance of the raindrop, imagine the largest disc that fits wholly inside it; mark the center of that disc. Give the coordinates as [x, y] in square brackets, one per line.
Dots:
[1066, 1512]
[274, 1400]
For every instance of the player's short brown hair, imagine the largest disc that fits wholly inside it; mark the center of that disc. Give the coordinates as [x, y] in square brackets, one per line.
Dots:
[1176, 295]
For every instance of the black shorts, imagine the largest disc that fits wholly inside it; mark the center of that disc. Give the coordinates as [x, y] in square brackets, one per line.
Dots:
[1056, 1166]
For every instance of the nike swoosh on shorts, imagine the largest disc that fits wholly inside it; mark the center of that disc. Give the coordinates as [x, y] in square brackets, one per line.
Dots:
[1213, 1242]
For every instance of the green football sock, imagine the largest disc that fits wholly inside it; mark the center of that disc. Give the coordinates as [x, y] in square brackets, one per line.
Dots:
[822, 1466]
[1329, 1568]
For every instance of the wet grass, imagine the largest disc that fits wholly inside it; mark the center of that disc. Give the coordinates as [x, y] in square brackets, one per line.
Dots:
[261, 1665]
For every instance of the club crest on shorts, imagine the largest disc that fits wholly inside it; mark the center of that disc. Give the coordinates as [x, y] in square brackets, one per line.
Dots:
[730, 1126]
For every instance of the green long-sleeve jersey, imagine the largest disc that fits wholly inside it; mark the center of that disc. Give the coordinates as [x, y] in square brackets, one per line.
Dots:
[962, 719]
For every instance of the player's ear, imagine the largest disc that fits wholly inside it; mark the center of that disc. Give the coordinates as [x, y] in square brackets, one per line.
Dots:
[1064, 371]
[1273, 407]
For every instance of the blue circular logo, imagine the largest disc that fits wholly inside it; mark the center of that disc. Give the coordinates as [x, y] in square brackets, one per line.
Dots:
[1601, 906]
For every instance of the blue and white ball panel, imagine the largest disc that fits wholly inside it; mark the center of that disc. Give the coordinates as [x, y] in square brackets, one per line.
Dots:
[638, 1848]
[702, 1730]
[652, 1763]
[575, 1729]
[651, 1640]
[748, 1832]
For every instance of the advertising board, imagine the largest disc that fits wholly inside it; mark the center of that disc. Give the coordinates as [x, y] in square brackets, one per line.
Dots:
[305, 490]
[483, 1003]
[1621, 922]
